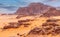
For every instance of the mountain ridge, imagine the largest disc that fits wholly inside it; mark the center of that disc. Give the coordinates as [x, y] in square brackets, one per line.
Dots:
[38, 9]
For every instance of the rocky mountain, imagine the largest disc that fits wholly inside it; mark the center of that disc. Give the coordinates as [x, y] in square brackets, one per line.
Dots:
[52, 12]
[38, 9]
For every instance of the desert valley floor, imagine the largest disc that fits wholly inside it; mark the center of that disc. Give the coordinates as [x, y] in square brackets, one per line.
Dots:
[29, 26]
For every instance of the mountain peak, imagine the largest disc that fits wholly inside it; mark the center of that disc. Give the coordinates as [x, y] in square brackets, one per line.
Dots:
[38, 9]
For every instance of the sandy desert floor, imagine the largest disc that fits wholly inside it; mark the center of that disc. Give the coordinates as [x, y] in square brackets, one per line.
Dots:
[29, 23]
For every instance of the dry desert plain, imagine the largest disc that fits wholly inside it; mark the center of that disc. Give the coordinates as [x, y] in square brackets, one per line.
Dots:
[29, 26]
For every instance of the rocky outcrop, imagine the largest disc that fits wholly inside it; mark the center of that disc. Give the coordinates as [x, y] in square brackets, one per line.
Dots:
[52, 12]
[47, 28]
[38, 9]
[32, 9]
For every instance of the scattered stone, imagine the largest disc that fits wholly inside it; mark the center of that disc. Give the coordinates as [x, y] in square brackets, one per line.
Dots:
[26, 24]
[51, 20]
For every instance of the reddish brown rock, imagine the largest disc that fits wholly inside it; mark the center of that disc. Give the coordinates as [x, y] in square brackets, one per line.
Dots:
[38, 9]
[32, 9]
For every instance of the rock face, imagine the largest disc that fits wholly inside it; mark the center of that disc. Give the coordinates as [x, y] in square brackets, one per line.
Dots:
[52, 12]
[38, 9]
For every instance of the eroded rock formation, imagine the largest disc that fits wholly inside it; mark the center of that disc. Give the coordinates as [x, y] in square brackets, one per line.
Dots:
[38, 9]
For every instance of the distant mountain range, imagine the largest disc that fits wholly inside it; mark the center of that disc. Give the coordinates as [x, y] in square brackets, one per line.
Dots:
[38, 9]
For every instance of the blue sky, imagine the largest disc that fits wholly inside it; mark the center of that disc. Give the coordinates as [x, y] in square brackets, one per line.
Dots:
[10, 6]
